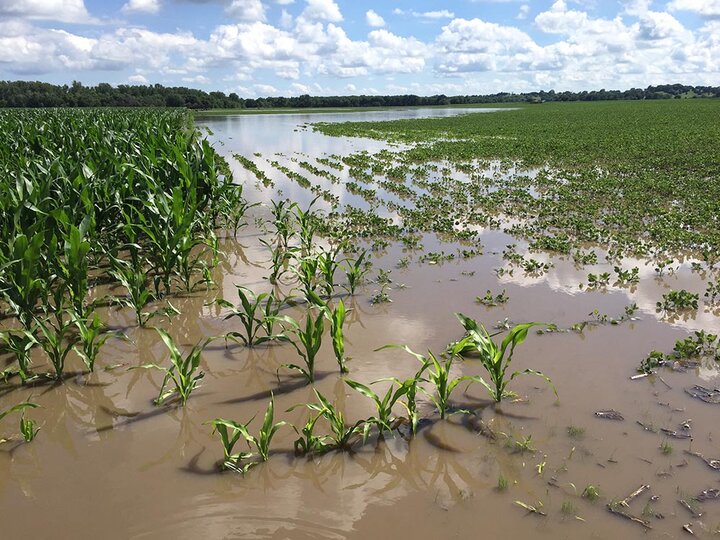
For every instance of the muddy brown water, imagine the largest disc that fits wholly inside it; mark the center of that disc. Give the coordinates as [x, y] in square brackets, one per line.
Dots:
[107, 463]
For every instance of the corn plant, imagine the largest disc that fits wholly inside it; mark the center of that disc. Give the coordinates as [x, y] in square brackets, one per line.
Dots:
[495, 359]
[307, 221]
[280, 255]
[20, 344]
[27, 427]
[23, 282]
[93, 334]
[438, 374]
[306, 271]
[384, 419]
[282, 221]
[337, 320]
[184, 371]
[410, 388]
[261, 442]
[230, 433]
[327, 266]
[133, 277]
[253, 315]
[355, 271]
[309, 340]
[308, 442]
[55, 337]
[72, 267]
[342, 434]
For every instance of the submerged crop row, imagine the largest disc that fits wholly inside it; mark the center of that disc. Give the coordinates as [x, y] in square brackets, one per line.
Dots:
[130, 198]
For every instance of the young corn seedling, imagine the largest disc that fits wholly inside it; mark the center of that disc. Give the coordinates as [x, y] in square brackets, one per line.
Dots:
[438, 374]
[184, 372]
[55, 337]
[307, 221]
[73, 266]
[342, 433]
[253, 316]
[282, 221]
[410, 387]
[496, 360]
[230, 433]
[308, 442]
[20, 343]
[355, 271]
[132, 276]
[384, 419]
[261, 442]
[309, 340]
[337, 320]
[327, 266]
[26, 426]
[280, 255]
[307, 271]
[93, 335]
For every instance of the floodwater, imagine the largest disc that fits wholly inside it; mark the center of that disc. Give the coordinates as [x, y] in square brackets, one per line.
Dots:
[109, 464]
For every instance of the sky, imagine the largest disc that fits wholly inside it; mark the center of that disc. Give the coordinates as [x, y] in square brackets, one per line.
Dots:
[342, 47]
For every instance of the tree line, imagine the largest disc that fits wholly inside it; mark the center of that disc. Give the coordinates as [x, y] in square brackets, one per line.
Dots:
[40, 94]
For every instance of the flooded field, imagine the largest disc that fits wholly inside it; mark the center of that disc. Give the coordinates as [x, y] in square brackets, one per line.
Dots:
[603, 450]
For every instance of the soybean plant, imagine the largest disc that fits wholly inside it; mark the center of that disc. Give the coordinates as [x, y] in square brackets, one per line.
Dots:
[183, 372]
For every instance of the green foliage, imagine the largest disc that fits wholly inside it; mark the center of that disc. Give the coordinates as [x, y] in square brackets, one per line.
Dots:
[678, 301]
[184, 371]
[256, 312]
[308, 340]
[495, 359]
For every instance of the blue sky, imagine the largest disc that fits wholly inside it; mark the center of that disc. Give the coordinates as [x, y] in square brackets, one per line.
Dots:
[324, 47]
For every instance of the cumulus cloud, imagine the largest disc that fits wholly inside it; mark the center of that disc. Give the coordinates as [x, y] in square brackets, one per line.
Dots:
[69, 11]
[141, 6]
[322, 10]
[373, 19]
[706, 8]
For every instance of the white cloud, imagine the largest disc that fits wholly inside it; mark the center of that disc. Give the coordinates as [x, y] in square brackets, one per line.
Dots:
[523, 13]
[141, 6]
[137, 79]
[69, 11]
[373, 19]
[246, 10]
[322, 10]
[441, 14]
[706, 8]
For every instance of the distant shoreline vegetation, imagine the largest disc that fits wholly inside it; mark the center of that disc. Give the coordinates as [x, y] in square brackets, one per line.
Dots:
[40, 94]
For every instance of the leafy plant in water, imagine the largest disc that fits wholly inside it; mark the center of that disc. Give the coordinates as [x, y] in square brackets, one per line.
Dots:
[496, 360]
[341, 433]
[20, 343]
[93, 334]
[253, 315]
[27, 427]
[384, 418]
[355, 271]
[678, 301]
[184, 370]
[491, 300]
[309, 340]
